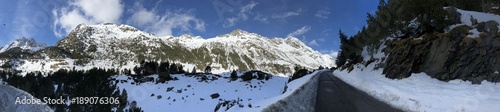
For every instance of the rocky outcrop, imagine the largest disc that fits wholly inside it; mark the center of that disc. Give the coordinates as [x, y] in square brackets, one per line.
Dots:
[448, 56]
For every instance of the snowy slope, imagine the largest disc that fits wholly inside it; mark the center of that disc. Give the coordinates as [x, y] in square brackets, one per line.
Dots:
[190, 94]
[236, 50]
[466, 17]
[24, 43]
[8, 95]
[422, 93]
[298, 96]
[481, 17]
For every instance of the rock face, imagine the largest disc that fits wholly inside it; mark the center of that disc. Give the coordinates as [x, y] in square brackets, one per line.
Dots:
[448, 56]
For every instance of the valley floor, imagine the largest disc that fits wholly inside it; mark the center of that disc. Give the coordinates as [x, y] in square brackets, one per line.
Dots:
[191, 93]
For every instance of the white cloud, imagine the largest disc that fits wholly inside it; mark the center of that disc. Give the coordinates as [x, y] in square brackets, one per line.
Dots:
[143, 17]
[322, 14]
[230, 22]
[322, 39]
[242, 15]
[163, 24]
[101, 10]
[248, 7]
[87, 12]
[313, 43]
[334, 54]
[261, 18]
[96, 11]
[288, 14]
[300, 31]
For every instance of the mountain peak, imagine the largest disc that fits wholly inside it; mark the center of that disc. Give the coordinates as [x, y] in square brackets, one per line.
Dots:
[238, 32]
[24, 43]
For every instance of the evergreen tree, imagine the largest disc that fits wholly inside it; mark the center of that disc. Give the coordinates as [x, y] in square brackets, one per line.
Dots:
[194, 70]
[123, 100]
[137, 70]
[296, 68]
[180, 69]
[173, 68]
[208, 70]
[234, 75]
[342, 57]
[163, 67]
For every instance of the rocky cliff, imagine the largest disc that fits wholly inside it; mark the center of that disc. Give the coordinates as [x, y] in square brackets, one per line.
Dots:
[457, 54]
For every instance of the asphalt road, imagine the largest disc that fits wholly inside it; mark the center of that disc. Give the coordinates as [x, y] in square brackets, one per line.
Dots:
[334, 95]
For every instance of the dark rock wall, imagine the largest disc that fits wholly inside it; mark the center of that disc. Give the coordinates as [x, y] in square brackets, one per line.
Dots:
[447, 56]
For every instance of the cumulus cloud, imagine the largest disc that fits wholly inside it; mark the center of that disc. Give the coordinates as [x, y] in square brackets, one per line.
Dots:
[87, 12]
[162, 24]
[97, 11]
[322, 14]
[242, 15]
[300, 31]
[101, 10]
[313, 43]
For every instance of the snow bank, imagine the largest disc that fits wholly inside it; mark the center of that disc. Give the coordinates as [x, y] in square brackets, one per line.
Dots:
[466, 17]
[8, 96]
[420, 92]
[300, 96]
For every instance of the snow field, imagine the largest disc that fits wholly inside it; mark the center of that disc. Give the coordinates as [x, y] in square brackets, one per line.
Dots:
[189, 94]
[299, 96]
[420, 92]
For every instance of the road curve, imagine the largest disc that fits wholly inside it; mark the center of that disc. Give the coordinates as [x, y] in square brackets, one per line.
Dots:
[334, 95]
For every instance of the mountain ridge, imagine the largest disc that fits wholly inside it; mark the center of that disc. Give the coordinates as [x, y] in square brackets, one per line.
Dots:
[24, 43]
[238, 49]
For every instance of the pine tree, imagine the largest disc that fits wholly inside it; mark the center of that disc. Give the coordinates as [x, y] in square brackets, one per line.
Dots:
[342, 57]
[180, 69]
[234, 75]
[173, 68]
[123, 100]
[208, 70]
[194, 70]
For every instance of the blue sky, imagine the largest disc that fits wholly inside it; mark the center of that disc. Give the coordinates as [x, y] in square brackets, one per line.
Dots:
[315, 22]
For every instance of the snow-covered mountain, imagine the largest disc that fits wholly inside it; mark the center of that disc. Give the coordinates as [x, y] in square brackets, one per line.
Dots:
[25, 44]
[236, 50]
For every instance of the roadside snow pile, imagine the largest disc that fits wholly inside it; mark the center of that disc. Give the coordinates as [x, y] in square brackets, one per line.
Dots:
[8, 96]
[300, 96]
[420, 92]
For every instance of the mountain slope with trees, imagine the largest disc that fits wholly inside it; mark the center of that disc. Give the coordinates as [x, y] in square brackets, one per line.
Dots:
[422, 36]
[121, 45]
